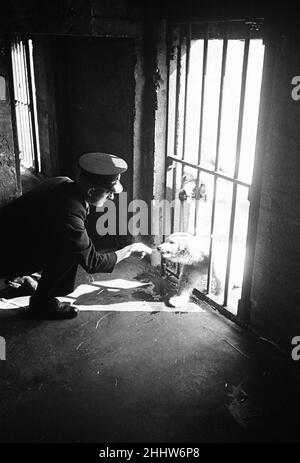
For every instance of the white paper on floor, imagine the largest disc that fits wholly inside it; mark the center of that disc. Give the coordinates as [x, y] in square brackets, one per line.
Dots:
[14, 303]
[111, 285]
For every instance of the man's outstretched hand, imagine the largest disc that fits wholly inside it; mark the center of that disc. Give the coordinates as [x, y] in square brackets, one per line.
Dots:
[135, 248]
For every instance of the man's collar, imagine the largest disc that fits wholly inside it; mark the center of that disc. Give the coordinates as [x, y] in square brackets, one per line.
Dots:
[86, 204]
[87, 207]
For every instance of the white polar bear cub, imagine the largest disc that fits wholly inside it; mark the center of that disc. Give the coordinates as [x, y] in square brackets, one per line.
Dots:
[187, 250]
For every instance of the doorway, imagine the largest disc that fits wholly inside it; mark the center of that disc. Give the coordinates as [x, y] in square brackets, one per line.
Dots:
[214, 86]
[94, 100]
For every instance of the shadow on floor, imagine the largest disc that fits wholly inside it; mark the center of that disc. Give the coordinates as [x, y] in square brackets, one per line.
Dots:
[121, 376]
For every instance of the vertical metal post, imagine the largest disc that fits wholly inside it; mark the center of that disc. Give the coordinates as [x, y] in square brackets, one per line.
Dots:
[265, 105]
[27, 107]
[212, 224]
[16, 94]
[24, 104]
[20, 98]
[204, 67]
[237, 164]
[31, 108]
[12, 98]
[169, 41]
[187, 68]
[168, 57]
[176, 121]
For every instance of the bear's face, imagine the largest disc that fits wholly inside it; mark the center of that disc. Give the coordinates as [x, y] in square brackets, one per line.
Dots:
[181, 248]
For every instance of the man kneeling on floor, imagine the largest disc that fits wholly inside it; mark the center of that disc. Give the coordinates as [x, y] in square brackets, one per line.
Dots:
[45, 230]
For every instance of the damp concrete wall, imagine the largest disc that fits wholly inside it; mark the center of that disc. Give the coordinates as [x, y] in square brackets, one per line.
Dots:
[95, 90]
[275, 294]
[144, 120]
[8, 176]
[46, 110]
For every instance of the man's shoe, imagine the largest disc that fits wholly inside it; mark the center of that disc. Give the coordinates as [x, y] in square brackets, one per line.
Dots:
[51, 309]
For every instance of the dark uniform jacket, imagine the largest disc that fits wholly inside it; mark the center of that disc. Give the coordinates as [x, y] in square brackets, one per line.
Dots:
[49, 221]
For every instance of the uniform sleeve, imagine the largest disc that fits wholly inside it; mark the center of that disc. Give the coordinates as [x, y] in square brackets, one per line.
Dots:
[78, 243]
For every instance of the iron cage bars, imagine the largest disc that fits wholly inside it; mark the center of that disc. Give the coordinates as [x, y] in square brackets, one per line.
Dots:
[23, 98]
[181, 35]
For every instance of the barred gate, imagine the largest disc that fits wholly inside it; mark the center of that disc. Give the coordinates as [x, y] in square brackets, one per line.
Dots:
[24, 97]
[214, 85]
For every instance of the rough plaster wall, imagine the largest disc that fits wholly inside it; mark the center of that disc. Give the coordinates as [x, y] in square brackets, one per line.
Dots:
[276, 287]
[94, 99]
[8, 178]
[70, 17]
[95, 107]
[144, 124]
[45, 98]
[160, 137]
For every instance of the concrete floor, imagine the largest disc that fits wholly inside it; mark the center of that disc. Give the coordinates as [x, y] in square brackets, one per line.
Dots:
[120, 376]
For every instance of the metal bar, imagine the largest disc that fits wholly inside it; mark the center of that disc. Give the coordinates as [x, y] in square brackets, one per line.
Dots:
[182, 117]
[187, 70]
[212, 172]
[187, 66]
[236, 169]
[11, 85]
[267, 87]
[22, 101]
[16, 98]
[176, 121]
[19, 99]
[14, 68]
[24, 86]
[17, 69]
[34, 103]
[220, 21]
[22, 105]
[26, 107]
[204, 68]
[16, 89]
[169, 48]
[212, 224]
[223, 70]
[178, 78]
[214, 305]
[31, 108]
